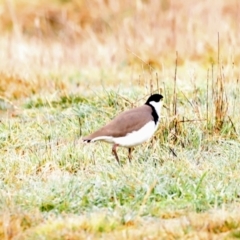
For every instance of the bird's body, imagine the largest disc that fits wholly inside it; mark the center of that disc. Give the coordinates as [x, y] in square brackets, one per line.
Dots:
[132, 127]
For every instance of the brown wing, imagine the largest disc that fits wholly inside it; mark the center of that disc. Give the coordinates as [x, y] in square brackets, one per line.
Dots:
[124, 123]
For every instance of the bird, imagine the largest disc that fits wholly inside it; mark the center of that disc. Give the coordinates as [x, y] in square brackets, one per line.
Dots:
[130, 128]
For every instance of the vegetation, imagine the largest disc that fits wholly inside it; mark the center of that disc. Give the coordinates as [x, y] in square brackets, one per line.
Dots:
[67, 67]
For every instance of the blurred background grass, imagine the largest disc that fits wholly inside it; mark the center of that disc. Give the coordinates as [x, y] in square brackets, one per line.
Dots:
[117, 40]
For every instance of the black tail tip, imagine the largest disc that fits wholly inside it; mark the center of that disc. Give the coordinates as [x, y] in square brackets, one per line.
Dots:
[87, 140]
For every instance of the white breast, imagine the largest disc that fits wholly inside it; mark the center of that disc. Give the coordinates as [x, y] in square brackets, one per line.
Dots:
[137, 137]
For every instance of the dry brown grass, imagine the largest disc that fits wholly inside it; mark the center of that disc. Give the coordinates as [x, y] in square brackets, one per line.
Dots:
[215, 225]
[101, 33]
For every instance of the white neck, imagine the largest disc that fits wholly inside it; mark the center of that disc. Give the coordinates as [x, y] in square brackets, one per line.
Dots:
[158, 107]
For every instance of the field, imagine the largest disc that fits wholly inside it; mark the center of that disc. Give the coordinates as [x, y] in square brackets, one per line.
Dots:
[69, 66]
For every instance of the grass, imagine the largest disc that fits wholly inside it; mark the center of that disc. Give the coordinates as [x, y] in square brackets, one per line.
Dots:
[53, 186]
[70, 67]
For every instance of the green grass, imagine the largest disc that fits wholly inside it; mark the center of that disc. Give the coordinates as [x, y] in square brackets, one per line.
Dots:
[59, 187]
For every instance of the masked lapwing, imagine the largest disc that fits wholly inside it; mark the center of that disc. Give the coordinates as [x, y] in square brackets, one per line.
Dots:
[132, 127]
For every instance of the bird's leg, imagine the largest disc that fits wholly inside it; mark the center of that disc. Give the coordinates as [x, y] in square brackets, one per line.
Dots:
[114, 151]
[130, 154]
